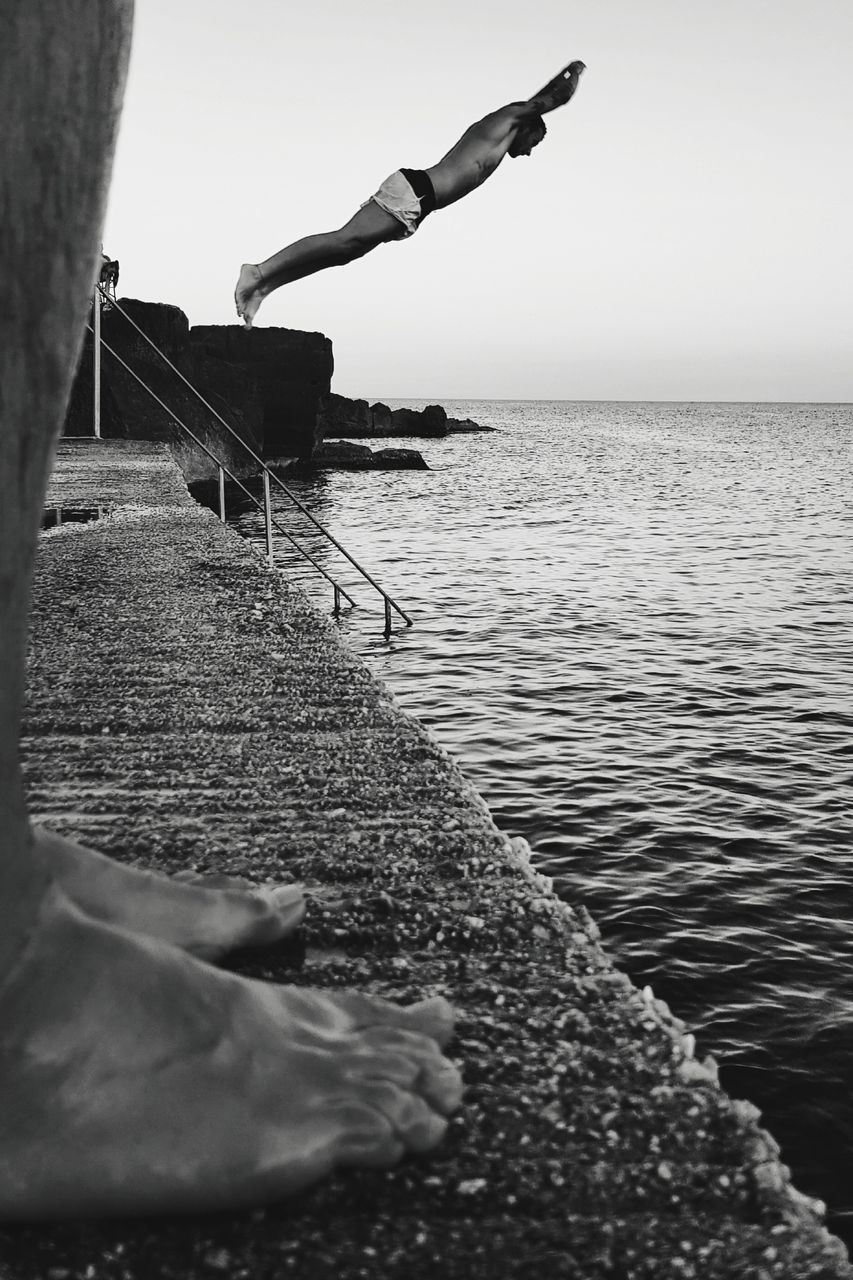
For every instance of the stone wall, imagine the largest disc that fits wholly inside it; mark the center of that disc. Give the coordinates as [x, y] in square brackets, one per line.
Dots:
[293, 370]
[266, 384]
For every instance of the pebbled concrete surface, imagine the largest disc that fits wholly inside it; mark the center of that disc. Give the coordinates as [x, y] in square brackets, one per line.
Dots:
[188, 708]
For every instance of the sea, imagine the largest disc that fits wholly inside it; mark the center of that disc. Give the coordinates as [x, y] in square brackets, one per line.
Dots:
[633, 628]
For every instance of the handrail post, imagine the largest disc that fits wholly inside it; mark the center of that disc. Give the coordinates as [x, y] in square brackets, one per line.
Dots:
[221, 494]
[387, 617]
[268, 515]
[96, 363]
[337, 607]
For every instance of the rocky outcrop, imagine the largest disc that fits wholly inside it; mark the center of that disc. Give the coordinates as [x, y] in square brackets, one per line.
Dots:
[340, 416]
[130, 412]
[266, 384]
[399, 460]
[343, 455]
[382, 420]
[293, 370]
[357, 420]
[431, 421]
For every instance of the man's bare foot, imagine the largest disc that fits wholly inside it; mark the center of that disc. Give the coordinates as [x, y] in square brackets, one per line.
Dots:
[198, 916]
[136, 1079]
[249, 293]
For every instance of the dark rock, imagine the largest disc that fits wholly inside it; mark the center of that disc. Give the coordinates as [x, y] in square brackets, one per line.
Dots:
[434, 419]
[431, 421]
[340, 416]
[357, 420]
[79, 416]
[271, 386]
[343, 455]
[293, 370]
[265, 383]
[129, 411]
[399, 460]
[382, 424]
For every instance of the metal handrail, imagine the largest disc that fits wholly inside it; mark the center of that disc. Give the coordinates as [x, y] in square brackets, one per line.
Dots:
[223, 470]
[389, 601]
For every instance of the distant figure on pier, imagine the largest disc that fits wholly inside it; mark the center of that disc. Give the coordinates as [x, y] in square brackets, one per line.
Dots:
[408, 196]
[108, 275]
[134, 1076]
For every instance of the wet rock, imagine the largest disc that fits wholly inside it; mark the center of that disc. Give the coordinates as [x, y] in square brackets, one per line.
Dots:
[399, 459]
[343, 455]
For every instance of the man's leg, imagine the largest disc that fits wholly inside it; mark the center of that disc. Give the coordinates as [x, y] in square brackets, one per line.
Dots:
[54, 194]
[369, 227]
[153, 1081]
[515, 129]
[51, 239]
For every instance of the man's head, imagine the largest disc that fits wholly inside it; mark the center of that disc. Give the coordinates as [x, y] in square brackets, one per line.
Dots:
[529, 136]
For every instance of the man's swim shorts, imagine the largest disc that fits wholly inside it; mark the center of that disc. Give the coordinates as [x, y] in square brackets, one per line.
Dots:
[408, 195]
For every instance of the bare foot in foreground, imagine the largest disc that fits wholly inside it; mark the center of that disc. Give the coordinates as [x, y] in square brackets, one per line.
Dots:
[188, 913]
[137, 1079]
[249, 293]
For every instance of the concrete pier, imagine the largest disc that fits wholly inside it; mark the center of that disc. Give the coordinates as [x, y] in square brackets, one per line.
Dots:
[187, 708]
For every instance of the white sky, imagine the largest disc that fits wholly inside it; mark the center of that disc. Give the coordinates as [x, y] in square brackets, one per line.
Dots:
[684, 231]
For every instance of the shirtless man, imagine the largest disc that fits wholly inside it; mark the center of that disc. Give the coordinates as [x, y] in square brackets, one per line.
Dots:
[406, 197]
[135, 1077]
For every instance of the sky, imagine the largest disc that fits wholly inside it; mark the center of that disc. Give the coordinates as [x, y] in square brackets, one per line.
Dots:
[683, 232]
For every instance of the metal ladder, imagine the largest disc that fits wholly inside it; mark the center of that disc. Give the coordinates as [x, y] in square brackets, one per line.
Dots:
[269, 477]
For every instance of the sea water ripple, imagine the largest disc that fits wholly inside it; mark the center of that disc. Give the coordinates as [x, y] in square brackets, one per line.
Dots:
[633, 629]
